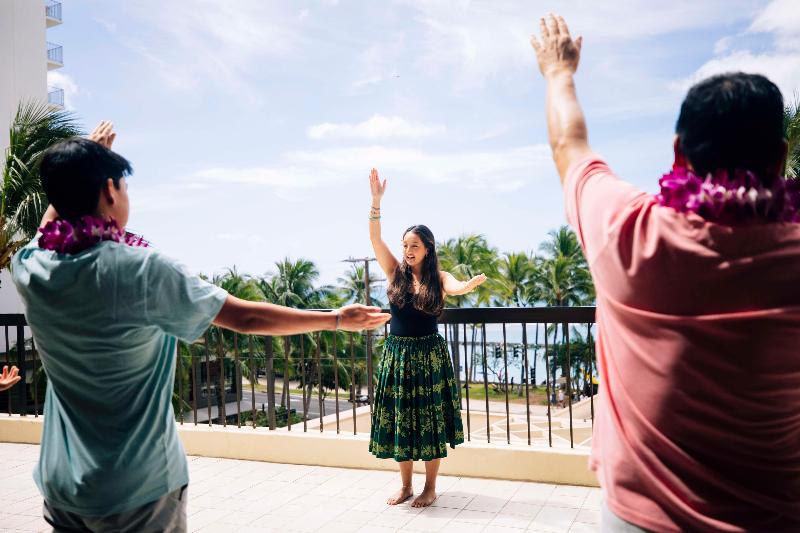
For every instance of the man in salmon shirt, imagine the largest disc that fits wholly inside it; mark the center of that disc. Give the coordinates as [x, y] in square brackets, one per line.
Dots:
[698, 308]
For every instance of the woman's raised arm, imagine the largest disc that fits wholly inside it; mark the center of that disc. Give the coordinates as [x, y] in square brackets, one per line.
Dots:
[386, 260]
[453, 287]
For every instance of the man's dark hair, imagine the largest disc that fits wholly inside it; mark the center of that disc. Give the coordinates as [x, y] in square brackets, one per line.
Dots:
[74, 172]
[732, 121]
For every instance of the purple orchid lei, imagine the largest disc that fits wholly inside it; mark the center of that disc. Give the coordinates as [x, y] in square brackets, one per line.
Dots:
[731, 200]
[67, 238]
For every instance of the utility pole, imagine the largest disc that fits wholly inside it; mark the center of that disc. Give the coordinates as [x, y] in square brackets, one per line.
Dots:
[367, 301]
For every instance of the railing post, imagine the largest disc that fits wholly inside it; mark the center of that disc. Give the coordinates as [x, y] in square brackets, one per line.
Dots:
[353, 381]
[270, 356]
[287, 348]
[195, 381]
[33, 380]
[22, 390]
[303, 381]
[547, 388]
[336, 378]
[319, 381]
[208, 380]
[237, 372]
[505, 384]
[253, 381]
[526, 378]
[486, 382]
[368, 301]
[466, 379]
[221, 410]
[569, 384]
[456, 357]
[178, 373]
[9, 393]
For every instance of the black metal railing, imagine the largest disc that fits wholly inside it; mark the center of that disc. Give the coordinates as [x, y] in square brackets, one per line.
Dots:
[55, 96]
[52, 10]
[55, 53]
[521, 372]
[20, 352]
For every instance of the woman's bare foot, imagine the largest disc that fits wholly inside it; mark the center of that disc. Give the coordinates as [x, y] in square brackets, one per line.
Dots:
[425, 499]
[400, 496]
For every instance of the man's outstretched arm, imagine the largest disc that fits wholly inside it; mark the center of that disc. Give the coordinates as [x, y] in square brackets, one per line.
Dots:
[558, 55]
[268, 319]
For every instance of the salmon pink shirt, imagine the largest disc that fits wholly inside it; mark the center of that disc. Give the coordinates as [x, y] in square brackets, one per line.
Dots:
[698, 348]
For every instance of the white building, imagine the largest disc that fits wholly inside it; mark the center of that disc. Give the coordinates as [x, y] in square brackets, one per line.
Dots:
[25, 58]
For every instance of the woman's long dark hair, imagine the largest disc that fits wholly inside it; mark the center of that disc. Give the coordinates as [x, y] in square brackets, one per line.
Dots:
[430, 298]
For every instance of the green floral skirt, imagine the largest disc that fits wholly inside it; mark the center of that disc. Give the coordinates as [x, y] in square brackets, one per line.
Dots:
[417, 412]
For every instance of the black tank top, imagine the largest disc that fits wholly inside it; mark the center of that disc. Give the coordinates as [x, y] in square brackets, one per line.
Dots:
[411, 322]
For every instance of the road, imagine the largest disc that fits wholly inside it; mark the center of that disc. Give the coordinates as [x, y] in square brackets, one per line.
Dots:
[261, 399]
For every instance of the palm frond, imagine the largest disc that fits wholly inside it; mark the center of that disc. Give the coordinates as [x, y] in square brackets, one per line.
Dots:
[35, 128]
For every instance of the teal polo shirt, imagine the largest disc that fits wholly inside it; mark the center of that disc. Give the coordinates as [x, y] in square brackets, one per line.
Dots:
[106, 323]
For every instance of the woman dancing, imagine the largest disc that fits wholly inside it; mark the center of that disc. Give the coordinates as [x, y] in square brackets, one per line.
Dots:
[417, 409]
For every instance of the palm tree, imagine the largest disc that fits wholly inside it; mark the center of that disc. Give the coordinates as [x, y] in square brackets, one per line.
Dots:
[562, 281]
[466, 257]
[351, 286]
[562, 275]
[239, 285]
[228, 344]
[35, 128]
[563, 242]
[292, 285]
[515, 270]
[791, 130]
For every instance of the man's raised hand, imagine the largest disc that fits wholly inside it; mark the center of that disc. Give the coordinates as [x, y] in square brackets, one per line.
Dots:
[557, 51]
[104, 134]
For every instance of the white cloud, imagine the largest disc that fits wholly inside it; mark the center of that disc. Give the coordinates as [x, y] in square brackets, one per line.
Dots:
[482, 39]
[217, 42]
[58, 80]
[781, 68]
[780, 18]
[723, 45]
[499, 170]
[376, 127]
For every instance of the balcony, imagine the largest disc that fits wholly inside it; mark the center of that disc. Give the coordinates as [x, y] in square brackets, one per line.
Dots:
[55, 97]
[233, 495]
[55, 56]
[255, 409]
[523, 375]
[52, 10]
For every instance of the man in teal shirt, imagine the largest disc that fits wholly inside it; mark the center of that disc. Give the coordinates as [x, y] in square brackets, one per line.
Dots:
[106, 317]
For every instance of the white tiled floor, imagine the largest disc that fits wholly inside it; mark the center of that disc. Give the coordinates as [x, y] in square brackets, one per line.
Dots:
[230, 495]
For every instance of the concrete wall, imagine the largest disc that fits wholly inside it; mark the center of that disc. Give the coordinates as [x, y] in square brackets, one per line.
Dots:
[23, 58]
[498, 461]
[23, 75]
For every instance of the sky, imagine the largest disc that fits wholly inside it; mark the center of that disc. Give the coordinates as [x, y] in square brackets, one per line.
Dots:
[252, 126]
